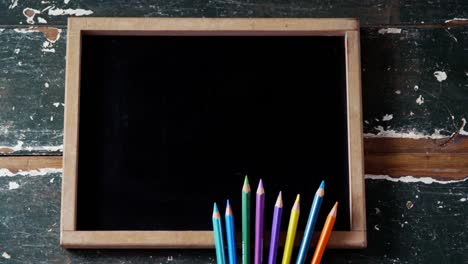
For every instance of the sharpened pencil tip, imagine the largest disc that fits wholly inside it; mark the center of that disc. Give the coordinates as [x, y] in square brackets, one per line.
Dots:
[279, 201]
[333, 210]
[321, 190]
[296, 205]
[246, 187]
[260, 189]
[215, 211]
[228, 208]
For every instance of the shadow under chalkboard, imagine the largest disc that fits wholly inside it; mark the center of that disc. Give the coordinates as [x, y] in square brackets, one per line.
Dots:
[171, 124]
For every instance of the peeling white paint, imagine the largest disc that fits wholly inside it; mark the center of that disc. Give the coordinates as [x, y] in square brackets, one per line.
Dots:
[13, 185]
[51, 118]
[30, 19]
[462, 129]
[66, 1]
[409, 134]
[46, 44]
[20, 63]
[398, 92]
[31, 117]
[29, 173]
[463, 200]
[46, 85]
[52, 180]
[41, 20]
[389, 31]
[411, 113]
[411, 179]
[6, 255]
[456, 19]
[19, 147]
[367, 122]
[17, 51]
[63, 12]
[440, 75]
[416, 87]
[14, 3]
[56, 104]
[1, 30]
[52, 50]
[420, 100]
[387, 117]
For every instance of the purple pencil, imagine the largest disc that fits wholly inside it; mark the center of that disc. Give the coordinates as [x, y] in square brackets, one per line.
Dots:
[260, 204]
[275, 230]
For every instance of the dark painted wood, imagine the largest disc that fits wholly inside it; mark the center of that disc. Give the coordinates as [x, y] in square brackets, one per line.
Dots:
[32, 72]
[370, 12]
[407, 223]
[397, 69]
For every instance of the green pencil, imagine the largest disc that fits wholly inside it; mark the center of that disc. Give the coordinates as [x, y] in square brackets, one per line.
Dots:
[246, 222]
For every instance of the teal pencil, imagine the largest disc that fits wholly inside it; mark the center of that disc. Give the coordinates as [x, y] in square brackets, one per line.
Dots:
[230, 234]
[218, 236]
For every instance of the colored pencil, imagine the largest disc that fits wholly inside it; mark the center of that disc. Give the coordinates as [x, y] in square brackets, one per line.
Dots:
[309, 230]
[230, 234]
[259, 206]
[325, 235]
[275, 229]
[218, 236]
[293, 219]
[246, 222]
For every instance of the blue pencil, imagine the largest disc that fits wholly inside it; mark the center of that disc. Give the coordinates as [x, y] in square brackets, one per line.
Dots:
[218, 236]
[231, 239]
[309, 230]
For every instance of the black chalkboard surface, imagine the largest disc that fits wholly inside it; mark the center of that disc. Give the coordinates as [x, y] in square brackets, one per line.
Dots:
[171, 124]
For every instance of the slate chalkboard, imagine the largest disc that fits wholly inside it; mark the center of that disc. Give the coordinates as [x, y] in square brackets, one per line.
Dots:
[171, 124]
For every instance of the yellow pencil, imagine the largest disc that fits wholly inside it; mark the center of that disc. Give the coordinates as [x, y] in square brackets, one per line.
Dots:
[293, 219]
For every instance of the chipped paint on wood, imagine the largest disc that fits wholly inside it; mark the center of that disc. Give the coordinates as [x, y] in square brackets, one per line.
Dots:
[411, 179]
[69, 12]
[389, 31]
[29, 173]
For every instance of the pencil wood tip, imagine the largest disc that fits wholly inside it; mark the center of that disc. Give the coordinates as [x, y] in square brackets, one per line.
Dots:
[297, 203]
[333, 210]
[246, 187]
[215, 211]
[228, 208]
[260, 189]
[279, 201]
[321, 190]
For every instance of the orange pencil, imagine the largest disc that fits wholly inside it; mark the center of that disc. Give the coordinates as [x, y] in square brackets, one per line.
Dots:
[325, 235]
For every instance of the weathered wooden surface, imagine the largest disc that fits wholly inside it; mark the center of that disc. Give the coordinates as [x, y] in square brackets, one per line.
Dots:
[407, 223]
[401, 95]
[370, 12]
[403, 44]
[32, 76]
[401, 91]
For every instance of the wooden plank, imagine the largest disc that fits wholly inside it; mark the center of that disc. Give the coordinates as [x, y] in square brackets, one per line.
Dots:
[443, 166]
[369, 12]
[26, 163]
[451, 145]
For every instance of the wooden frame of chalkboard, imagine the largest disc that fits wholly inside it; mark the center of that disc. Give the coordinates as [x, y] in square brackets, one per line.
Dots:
[72, 237]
